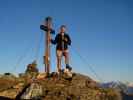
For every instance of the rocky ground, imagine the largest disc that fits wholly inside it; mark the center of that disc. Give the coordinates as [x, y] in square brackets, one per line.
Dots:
[79, 87]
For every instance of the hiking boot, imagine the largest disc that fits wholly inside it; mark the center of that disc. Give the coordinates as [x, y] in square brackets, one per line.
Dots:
[68, 67]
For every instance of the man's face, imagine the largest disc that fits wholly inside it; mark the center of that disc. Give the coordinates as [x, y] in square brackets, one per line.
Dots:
[63, 29]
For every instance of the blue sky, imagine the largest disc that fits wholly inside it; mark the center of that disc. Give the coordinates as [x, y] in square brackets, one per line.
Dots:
[101, 31]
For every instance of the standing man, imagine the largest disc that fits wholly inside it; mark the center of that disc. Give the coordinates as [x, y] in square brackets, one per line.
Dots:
[62, 40]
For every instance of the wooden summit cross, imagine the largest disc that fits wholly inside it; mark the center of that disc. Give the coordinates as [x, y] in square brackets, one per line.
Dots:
[47, 27]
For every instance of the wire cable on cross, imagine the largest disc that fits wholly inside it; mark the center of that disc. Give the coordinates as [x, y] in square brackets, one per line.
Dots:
[84, 60]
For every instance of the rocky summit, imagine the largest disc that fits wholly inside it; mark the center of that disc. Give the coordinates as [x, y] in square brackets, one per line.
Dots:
[54, 87]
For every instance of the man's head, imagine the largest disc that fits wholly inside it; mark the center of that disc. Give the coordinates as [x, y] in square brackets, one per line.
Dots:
[62, 29]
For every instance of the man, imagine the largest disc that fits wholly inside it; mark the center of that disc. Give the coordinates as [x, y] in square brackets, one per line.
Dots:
[62, 40]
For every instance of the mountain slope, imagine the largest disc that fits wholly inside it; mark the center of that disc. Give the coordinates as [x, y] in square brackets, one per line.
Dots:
[79, 87]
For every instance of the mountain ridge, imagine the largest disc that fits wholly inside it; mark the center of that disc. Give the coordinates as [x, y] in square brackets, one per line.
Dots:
[79, 87]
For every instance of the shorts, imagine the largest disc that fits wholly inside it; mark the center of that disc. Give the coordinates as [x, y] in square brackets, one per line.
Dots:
[60, 53]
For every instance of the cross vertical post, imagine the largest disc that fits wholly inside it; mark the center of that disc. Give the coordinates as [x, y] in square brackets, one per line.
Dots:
[47, 27]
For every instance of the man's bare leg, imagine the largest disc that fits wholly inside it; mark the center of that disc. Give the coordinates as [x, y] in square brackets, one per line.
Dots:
[66, 54]
[59, 56]
[58, 64]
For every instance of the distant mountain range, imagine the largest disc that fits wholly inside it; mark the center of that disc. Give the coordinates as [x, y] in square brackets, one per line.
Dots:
[126, 88]
[130, 90]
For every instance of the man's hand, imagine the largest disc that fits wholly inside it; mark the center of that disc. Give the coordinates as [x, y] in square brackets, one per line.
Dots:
[65, 39]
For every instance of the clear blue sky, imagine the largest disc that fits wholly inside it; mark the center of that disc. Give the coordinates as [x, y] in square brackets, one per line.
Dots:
[101, 30]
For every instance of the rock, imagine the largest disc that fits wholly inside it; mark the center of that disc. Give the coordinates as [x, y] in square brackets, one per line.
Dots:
[6, 83]
[41, 76]
[80, 87]
[5, 98]
[1, 75]
[82, 81]
[31, 71]
[34, 91]
[9, 76]
[68, 72]
[32, 68]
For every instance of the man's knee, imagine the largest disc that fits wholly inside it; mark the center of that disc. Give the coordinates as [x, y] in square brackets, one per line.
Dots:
[66, 53]
[58, 53]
